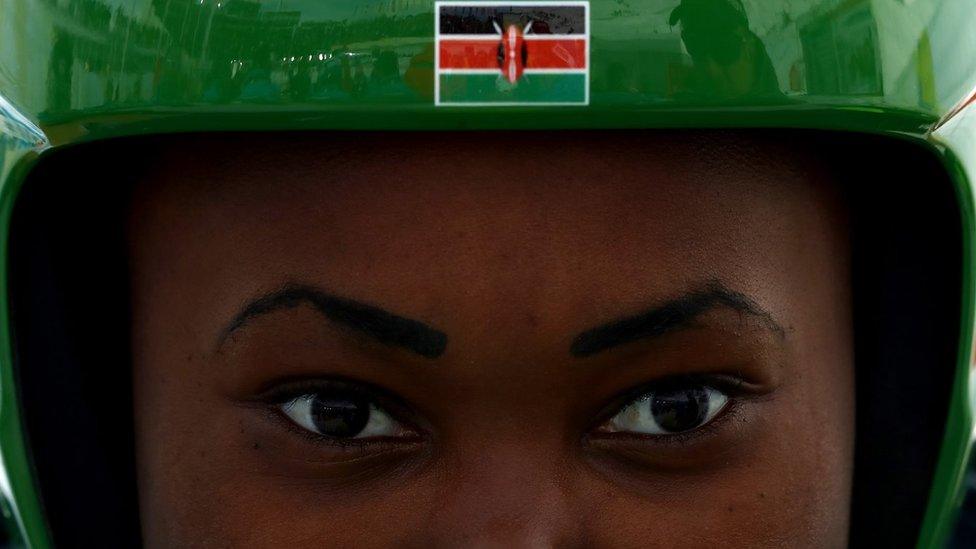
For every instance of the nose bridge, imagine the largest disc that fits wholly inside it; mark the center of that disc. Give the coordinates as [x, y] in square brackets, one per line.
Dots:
[509, 496]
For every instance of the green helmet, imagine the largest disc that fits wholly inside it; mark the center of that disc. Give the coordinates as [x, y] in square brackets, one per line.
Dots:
[81, 71]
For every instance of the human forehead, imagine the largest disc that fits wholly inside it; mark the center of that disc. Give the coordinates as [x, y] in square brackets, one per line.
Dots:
[613, 179]
[428, 223]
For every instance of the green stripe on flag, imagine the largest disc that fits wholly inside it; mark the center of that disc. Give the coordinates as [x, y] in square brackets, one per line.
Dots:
[462, 88]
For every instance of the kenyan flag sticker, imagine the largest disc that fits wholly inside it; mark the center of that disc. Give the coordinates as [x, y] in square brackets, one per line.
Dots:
[512, 53]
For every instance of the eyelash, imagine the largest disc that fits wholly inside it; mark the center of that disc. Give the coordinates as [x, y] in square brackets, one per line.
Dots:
[734, 387]
[282, 392]
[728, 413]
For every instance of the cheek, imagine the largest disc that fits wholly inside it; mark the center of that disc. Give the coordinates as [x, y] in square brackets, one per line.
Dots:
[823, 417]
[793, 494]
[215, 473]
[255, 511]
[798, 491]
[207, 477]
[785, 483]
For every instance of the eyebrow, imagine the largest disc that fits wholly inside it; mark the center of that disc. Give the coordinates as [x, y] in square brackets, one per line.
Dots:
[381, 325]
[668, 317]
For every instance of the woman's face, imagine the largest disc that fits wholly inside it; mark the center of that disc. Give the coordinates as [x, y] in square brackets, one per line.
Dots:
[492, 340]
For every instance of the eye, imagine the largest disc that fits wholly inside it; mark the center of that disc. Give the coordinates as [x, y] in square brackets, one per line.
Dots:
[672, 408]
[341, 414]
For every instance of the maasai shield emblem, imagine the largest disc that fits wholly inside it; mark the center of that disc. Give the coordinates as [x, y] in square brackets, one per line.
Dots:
[512, 53]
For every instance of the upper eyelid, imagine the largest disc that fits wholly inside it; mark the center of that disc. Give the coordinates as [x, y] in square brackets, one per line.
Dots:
[390, 403]
[728, 413]
[288, 394]
[723, 383]
[628, 397]
[284, 390]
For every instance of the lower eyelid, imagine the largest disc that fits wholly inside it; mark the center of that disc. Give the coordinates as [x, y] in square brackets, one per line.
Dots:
[279, 419]
[727, 413]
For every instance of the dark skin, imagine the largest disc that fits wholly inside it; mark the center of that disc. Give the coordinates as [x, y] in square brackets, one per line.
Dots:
[513, 314]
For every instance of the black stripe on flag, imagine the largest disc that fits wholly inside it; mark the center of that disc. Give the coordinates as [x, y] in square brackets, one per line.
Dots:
[545, 19]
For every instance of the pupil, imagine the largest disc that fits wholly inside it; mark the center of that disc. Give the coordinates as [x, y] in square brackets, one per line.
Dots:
[679, 409]
[339, 415]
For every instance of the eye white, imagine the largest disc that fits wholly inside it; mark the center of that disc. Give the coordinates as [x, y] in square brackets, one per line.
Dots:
[638, 417]
[379, 424]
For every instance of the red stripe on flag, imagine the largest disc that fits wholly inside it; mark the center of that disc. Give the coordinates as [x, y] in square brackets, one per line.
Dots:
[470, 54]
[540, 54]
[555, 54]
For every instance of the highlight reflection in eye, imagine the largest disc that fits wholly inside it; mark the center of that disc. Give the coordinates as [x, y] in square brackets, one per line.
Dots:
[671, 409]
[341, 414]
